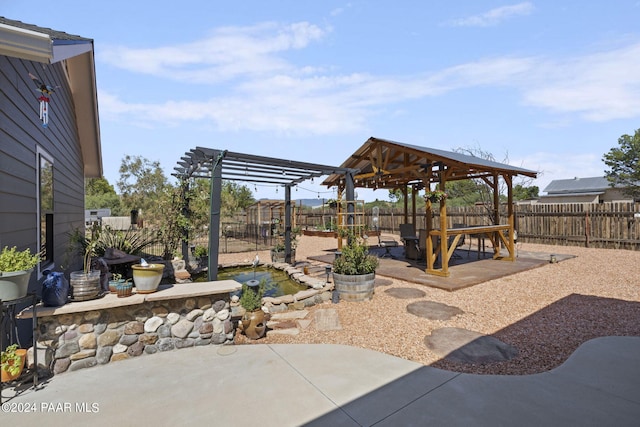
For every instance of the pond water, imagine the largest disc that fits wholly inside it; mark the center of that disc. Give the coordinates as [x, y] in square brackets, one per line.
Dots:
[278, 282]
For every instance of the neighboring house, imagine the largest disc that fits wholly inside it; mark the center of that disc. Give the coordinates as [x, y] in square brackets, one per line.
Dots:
[583, 190]
[42, 169]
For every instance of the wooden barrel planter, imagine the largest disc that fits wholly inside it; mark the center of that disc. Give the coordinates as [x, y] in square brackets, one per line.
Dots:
[358, 287]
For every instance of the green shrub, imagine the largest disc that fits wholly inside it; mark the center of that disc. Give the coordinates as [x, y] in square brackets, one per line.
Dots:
[355, 258]
[13, 260]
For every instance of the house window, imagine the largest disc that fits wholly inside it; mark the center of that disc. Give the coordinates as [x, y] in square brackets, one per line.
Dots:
[45, 208]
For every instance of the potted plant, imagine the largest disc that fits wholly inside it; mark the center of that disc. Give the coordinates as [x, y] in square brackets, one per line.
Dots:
[354, 271]
[15, 270]
[85, 283]
[253, 321]
[12, 362]
[116, 279]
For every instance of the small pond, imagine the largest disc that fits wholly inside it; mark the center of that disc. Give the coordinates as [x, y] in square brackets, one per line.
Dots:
[278, 282]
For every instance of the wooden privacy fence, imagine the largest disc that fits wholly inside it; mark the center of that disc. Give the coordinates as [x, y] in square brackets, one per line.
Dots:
[599, 225]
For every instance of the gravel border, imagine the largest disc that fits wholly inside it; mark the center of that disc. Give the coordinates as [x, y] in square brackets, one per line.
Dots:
[546, 313]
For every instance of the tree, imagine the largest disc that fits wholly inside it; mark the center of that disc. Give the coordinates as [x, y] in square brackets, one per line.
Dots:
[99, 194]
[521, 192]
[624, 162]
[141, 185]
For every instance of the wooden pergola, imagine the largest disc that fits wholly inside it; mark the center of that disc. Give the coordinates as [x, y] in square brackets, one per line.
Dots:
[384, 164]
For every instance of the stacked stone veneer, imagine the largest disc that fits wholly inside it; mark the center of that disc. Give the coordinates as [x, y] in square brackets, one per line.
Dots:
[85, 339]
[72, 341]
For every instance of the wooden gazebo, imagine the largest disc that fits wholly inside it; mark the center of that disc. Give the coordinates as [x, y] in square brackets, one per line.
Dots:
[384, 164]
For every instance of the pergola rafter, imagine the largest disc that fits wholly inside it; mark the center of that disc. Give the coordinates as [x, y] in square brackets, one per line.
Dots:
[218, 165]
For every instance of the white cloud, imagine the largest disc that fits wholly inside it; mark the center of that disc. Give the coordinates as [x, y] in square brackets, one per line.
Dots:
[228, 53]
[263, 91]
[494, 16]
[599, 87]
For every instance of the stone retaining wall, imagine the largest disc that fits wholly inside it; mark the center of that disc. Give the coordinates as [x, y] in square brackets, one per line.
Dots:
[75, 341]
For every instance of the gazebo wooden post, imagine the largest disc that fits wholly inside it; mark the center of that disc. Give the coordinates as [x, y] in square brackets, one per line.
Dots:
[496, 216]
[444, 259]
[414, 196]
[406, 204]
[511, 217]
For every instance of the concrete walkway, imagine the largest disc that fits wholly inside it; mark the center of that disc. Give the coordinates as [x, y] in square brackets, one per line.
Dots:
[334, 385]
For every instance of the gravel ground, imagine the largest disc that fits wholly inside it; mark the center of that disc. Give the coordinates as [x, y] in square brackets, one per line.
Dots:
[546, 313]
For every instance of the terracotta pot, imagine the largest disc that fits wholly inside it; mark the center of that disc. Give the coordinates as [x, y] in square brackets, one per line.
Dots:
[254, 324]
[6, 376]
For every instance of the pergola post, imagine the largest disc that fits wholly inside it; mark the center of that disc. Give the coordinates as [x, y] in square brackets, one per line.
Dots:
[287, 224]
[214, 213]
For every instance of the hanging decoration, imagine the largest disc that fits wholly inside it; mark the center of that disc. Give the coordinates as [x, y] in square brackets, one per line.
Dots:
[45, 91]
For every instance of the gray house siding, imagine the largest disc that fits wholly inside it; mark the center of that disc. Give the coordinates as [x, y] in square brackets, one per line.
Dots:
[22, 135]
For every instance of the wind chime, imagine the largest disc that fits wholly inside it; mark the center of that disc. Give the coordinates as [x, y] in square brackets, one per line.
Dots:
[45, 91]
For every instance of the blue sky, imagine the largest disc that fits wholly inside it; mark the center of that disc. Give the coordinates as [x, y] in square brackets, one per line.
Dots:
[545, 85]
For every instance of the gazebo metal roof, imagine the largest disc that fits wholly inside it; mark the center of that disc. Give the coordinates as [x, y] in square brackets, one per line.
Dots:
[389, 164]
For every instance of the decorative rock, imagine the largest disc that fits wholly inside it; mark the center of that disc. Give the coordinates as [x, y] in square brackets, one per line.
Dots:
[202, 341]
[119, 356]
[128, 339]
[223, 314]
[206, 328]
[164, 331]
[134, 328]
[303, 323]
[65, 320]
[227, 326]
[67, 349]
[205, 336]
[60, 329]
[204, 303]
[165, 344]
[433, 310]
[218, 305]
[100, 328]
[150, 349]
[159, 311]
[142, 315]
[152, 324]
[218, 338]
[148, 339]
[88, 341]
[109, 337]
[208, 315]
[104, 354]
[173, 318]
[182, 328]
[61, 365]
[190, 303]
[301, 314]
[298, 305]
[188, 342]
[217, 326]
[69, 335]
[119, 348]
[83, 354]
[299, 296]
[286, 299]
[136, 349]
[194, 334]
[115, 325]
[463, 346]
[85, 328]
[82, 364]
[92, 315]
[193, 314]
[280, 308]
[235, 299]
